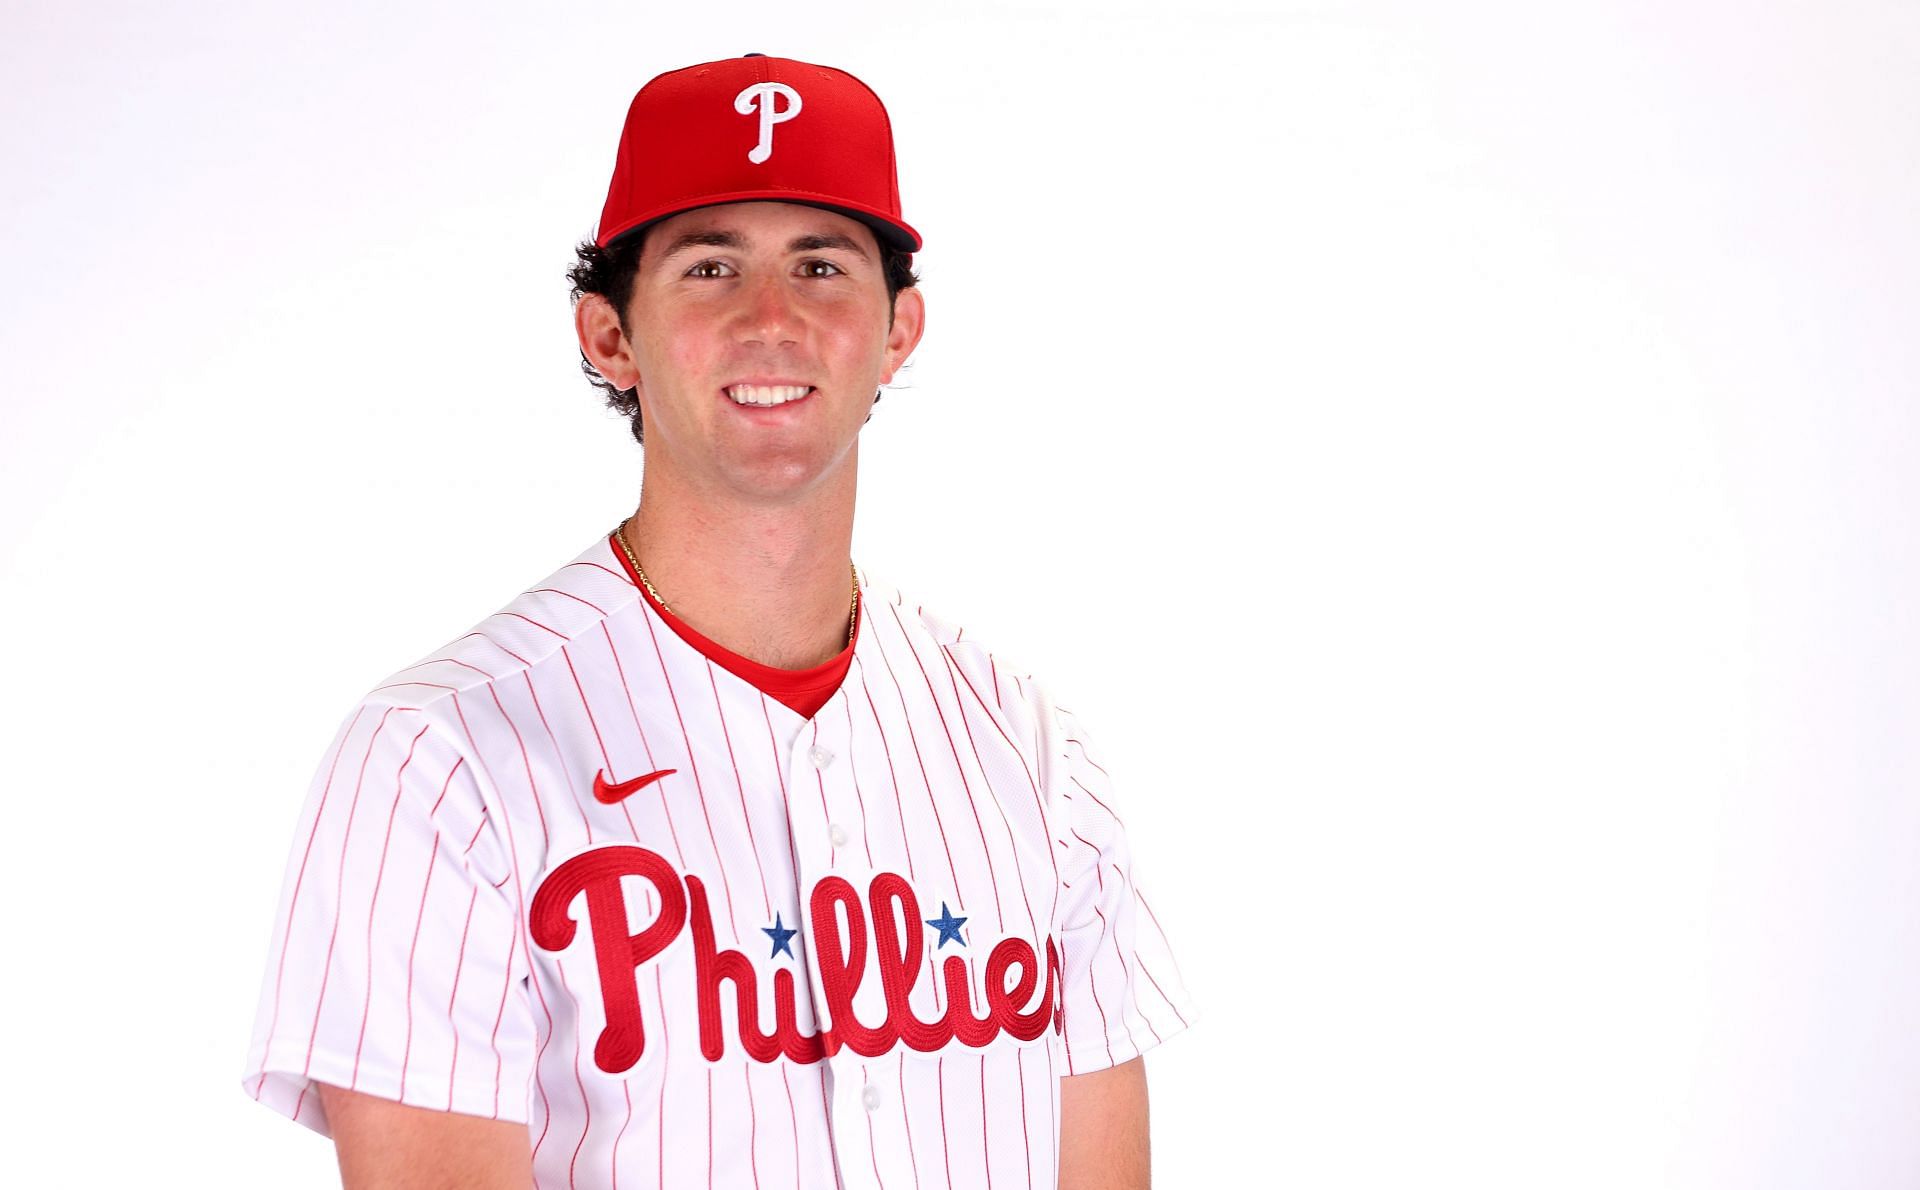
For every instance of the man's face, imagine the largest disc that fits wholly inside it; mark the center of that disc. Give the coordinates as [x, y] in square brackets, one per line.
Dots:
[739, 305]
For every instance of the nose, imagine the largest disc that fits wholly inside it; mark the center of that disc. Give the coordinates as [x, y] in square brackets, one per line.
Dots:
[768, 314]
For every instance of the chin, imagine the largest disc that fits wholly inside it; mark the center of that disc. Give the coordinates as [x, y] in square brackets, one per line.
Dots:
[775, 479]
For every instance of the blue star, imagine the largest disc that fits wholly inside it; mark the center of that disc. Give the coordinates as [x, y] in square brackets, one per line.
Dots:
[948, 925]
[782, 938]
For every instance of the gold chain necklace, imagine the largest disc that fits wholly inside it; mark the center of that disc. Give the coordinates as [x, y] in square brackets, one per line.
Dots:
[853, 606]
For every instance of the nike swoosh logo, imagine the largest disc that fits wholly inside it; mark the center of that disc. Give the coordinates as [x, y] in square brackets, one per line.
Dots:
[610, 792]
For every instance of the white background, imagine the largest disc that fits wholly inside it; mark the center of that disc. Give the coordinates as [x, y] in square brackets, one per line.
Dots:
[1459, 457]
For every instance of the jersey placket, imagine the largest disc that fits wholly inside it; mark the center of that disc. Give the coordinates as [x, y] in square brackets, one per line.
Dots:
[830, 836]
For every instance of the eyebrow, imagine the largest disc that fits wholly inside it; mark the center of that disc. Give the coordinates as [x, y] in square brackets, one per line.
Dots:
[814, 243]
[727, 239]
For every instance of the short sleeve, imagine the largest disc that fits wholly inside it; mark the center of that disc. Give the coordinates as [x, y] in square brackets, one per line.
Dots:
[397, 967]
[1122, 992]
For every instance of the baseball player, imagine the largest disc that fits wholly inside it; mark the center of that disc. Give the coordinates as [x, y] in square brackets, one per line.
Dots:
[712, 859]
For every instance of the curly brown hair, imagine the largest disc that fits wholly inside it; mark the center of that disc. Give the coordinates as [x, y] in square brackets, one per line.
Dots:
[609, 272]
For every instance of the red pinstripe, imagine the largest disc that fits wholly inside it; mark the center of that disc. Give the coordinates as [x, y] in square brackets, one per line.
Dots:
[753, 1129]
[1142, 898]
[586, 708]
[613, 1154]
[986, 1154]
[693, 764]
[793, 1117]
[1033, 783]
[597, 566]
[539, 1057]
[569, 595]
[1084, 754]
[645, 746]
[326, 967]
[526, 763]
[1128, 888]
[559, 754]
[893, 775]
[373, 902]
[1177, 1015]
[293, 902]
[626, 1090]
[530, 620]
[833, 1144]
[746, 815]
[986, 851]
[846, 704]
[1168, 1000]
[873, 1148]
[451, 661]
[660, 1113]
[906, 1122]
[397, 685]
[1053, 1108]
[586, 1105]
[1020, 1072]
[1093, 983]
[453, 997]
[1013, 846]
[514, 942]
[780, 773]
[914, 739]
[493, 1039]
[946, 1155]
[540, 1053]
[1096, 799]
[496, 644]
[413, 948]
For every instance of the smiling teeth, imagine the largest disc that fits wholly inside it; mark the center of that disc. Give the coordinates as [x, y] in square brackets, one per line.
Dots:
[767, 394]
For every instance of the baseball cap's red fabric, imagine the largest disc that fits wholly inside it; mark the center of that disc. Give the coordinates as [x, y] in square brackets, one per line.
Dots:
[756, 128]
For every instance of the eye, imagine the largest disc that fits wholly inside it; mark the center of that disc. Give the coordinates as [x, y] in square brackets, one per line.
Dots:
[702, 269]
[808, 267]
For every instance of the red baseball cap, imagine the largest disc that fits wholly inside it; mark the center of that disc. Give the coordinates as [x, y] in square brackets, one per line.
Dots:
[750, 129]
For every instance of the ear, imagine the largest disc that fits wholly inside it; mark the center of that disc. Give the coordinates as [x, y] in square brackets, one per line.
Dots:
[909, 320]
[603, 342]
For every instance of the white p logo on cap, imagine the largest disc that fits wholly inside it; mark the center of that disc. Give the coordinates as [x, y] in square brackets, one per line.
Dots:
[762, 95]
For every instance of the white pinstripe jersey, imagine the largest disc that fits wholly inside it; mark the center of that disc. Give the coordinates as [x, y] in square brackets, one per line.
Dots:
[856, 950]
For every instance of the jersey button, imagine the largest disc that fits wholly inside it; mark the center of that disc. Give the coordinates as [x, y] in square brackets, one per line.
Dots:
[820, 756]
[837, 834]
[870, 1097]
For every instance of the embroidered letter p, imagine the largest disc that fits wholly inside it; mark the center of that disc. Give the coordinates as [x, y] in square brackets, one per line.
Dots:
[762, 95]
[617, 951]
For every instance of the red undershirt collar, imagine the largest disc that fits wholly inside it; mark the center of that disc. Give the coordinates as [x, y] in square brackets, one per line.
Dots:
[804, 690]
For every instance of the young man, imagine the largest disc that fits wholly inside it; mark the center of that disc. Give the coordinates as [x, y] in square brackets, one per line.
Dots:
[712, 860]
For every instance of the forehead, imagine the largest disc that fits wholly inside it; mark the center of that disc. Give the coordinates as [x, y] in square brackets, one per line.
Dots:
[761, 226]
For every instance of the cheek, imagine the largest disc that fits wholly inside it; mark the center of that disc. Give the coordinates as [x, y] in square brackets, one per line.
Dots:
[862, 343]
[683, 346]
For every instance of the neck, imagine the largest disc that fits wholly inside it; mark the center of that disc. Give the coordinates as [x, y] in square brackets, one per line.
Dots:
[768, 581]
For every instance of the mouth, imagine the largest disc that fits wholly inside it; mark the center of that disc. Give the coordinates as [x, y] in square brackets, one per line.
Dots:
[765, 396]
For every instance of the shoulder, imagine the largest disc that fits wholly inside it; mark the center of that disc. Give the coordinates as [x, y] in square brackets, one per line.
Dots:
[976, 670]
[527, 632]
